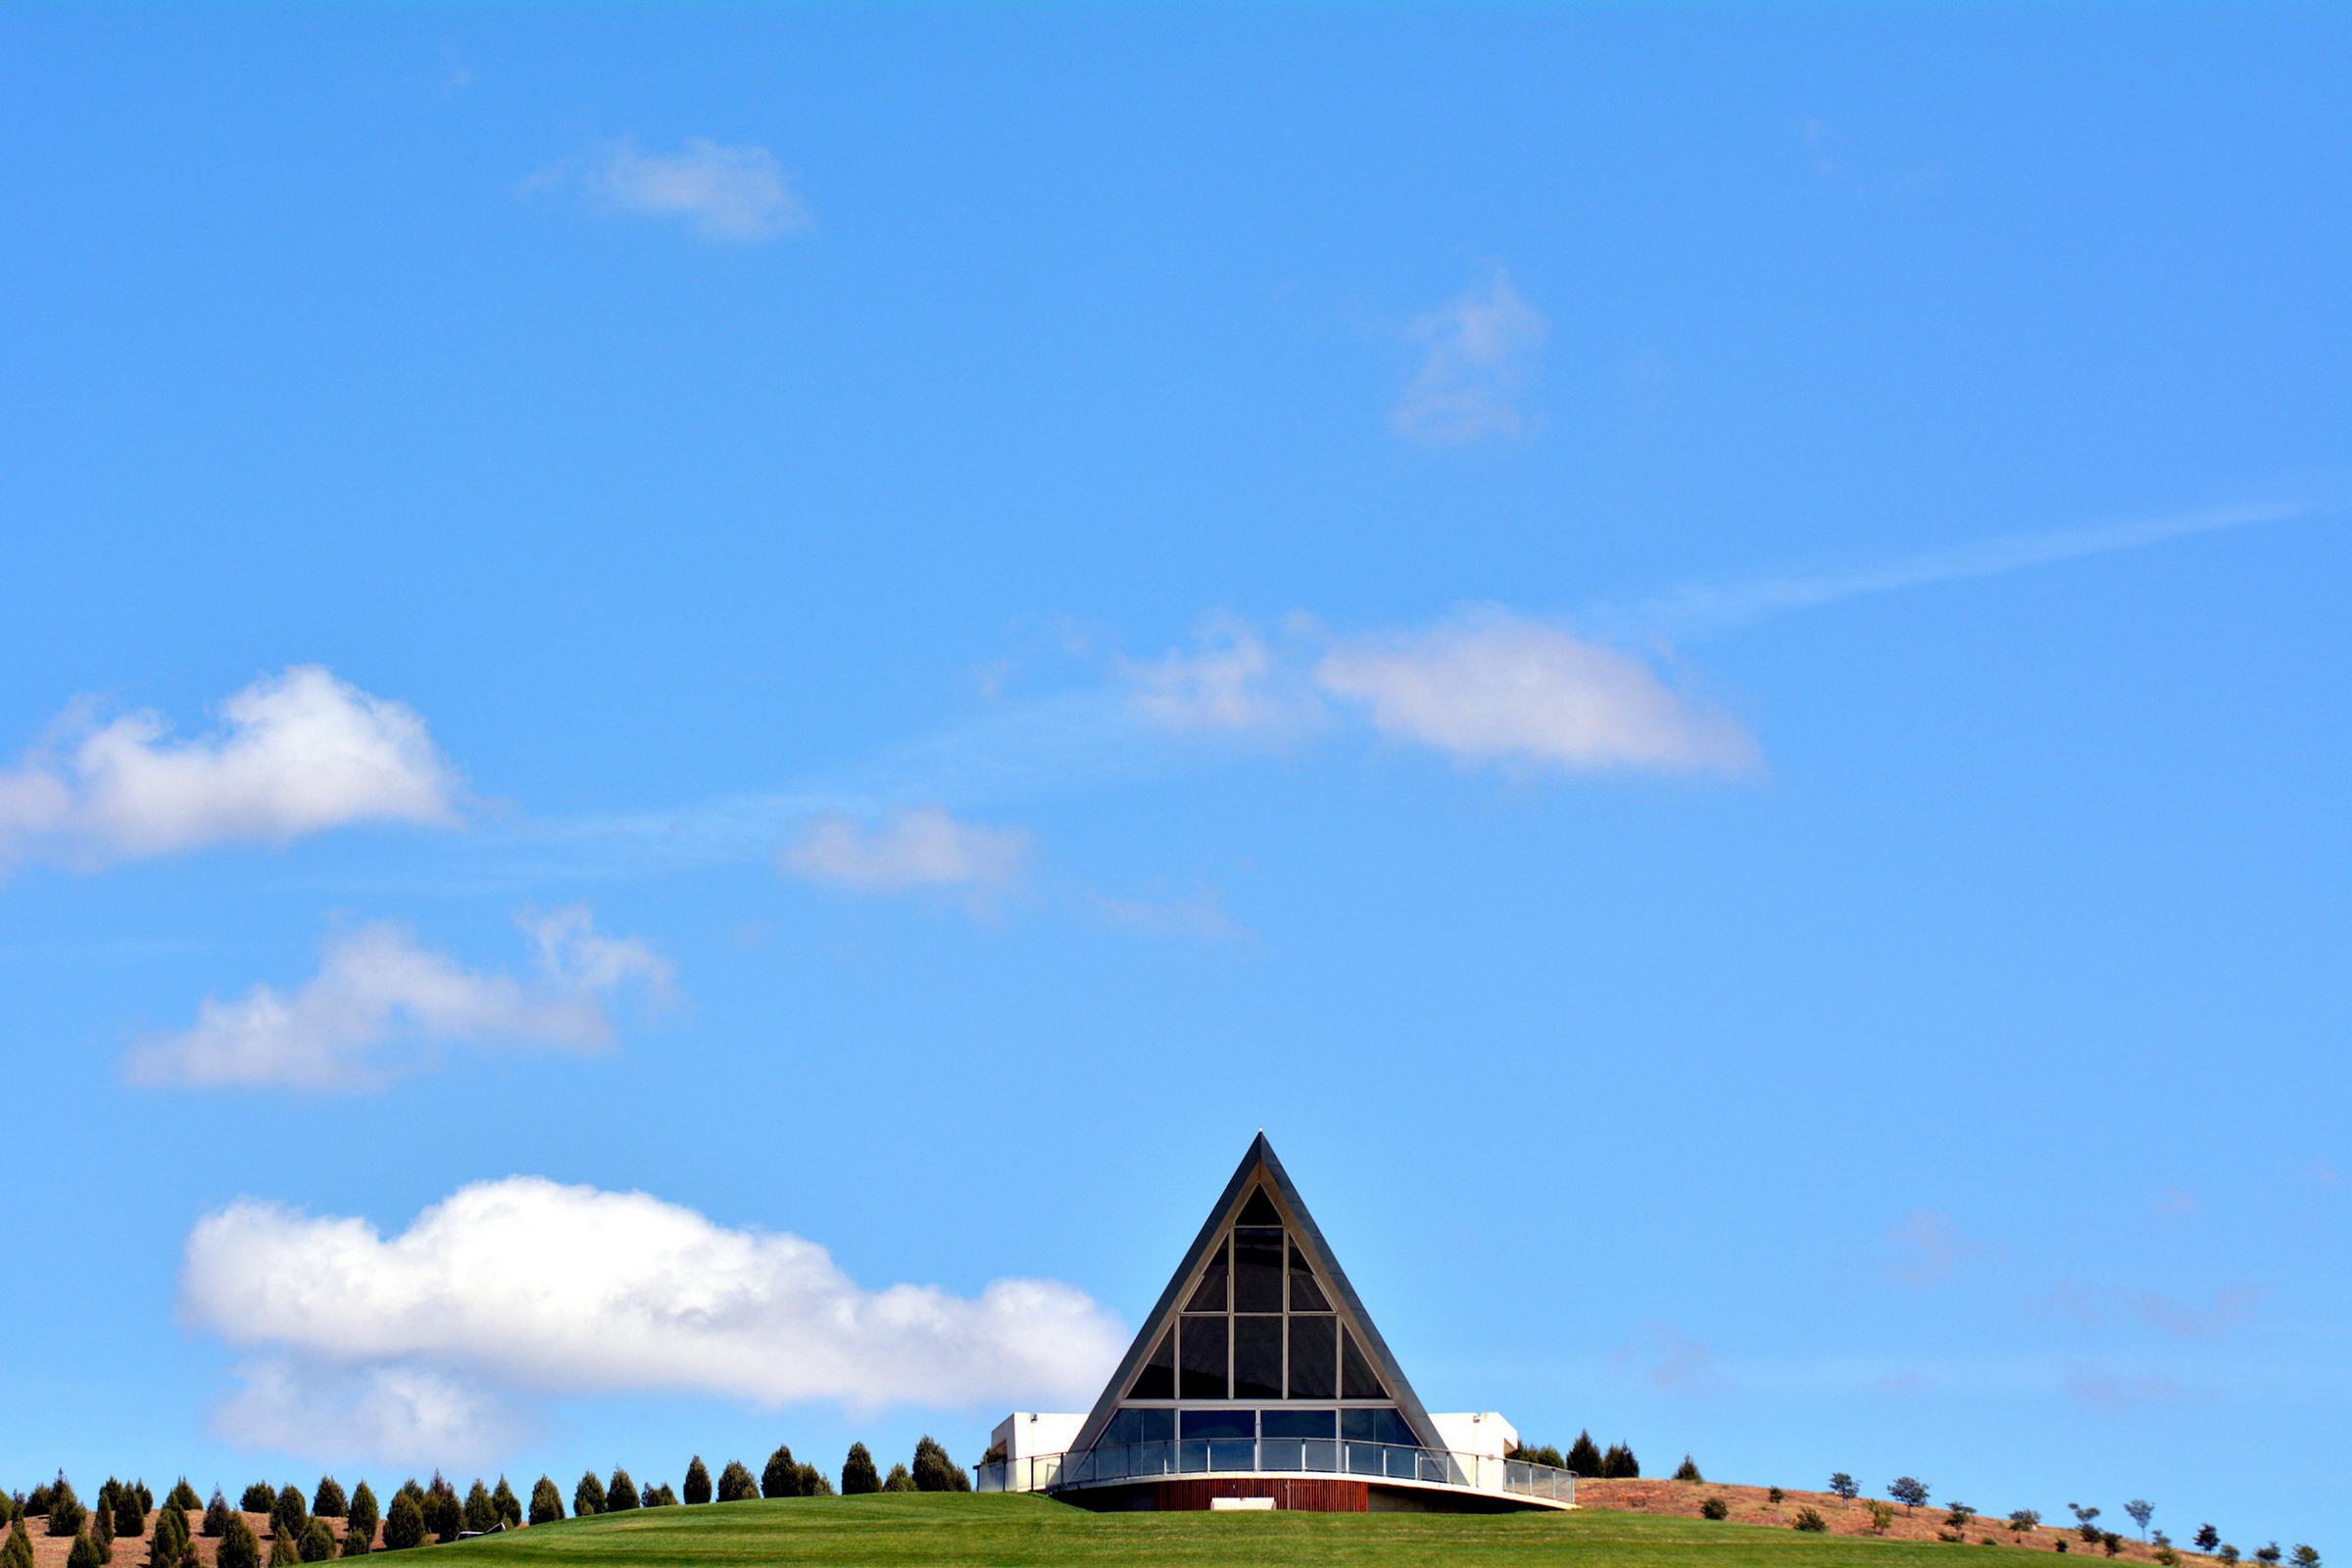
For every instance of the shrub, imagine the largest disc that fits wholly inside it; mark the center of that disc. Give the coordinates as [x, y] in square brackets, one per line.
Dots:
[1844, 1485]
[898, 1480]
[735, 1483]
[547, 1503]
[318, 1540]
[84, 1553]
[2112, 1541]
[1882, 1515]
[404, 1523]
[2061, 1544]
[361, 1520]
[697, 1482]
[2023, 1521]
[1523, 1453]
[1810, 1519]
[1688, 1470]
[1777, 1497]
[36, 1502]
[2267, 1554]
[2166, 1555]
[239, 1547]
[2227, 1553]
[355, 1544]
[216, 1515]
[621, 1496]
[588, 1498]
[660, 1496]
[1959, 1516]
[1619, 1464]
[328, 1502]
[285, 1551]
[508, 1506]
[482, 1514]
[782, 1477]
[813, 1483]
[934, 1471]
[1714, 1508]
[67, 1515]
[2307, 1557]
[2207, 1538]
[259, 1497]
[183, 1497]
[858, 1473]
[1583, 1456]
[169, 1541]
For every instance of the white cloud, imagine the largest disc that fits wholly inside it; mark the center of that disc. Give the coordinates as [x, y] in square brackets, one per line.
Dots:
[525, 1288]
[379, 1004]
[1492, 687]
[921, 847]
[390, 1415]
[1229, 681]
[1476, 349]
[298, 753]
[722, 192]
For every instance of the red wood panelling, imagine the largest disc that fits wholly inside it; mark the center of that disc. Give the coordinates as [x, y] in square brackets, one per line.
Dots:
[1313, 1496]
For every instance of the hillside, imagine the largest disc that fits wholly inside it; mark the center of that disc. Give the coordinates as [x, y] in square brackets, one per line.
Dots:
[1681, 1499]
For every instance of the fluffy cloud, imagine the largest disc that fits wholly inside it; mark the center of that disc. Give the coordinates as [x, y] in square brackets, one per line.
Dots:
[379, 1004]
[921, 847]
[1497, 688]
[296, 754]
[1474, 360]
[523, 1287]
[725, 193]
[1229, 681]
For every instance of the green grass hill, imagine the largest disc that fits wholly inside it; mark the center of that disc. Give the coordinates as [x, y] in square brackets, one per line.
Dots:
[937, 1529]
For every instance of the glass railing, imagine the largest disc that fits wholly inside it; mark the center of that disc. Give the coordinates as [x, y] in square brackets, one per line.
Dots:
[1373, 1461]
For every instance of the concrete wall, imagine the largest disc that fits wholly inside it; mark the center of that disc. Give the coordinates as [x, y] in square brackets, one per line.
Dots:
[1485, 1433]
[1025, 1434]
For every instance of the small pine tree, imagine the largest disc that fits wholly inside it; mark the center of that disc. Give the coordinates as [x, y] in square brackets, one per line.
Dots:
[183, 1497]
[934, 1471]
[482, 1514]
[1810, 1519]
[146, 1497]
[620, 1496]
[588, 1498]
[361, 1519]
[735, 1483]
[1583, 1456]
[898, 1480]
[259, 1497]
[67, 1515]
[1688, 1470]
[813, 1483]
[289, 1514]
[1715, 1509]
[84, 1553]
[239, 1546]
[17, 1554]
[36, 1502]
[1619, 1464]
[782, 1477]
[285, 1551]
[216, 1515]
[329, 1502]
[547, 1503]
[355, 1544]
[170, 1539]
[697, 1482]
[318, 1540]
[509, 1505]
[403, 1522]
[444, 1515]
[857, 1473]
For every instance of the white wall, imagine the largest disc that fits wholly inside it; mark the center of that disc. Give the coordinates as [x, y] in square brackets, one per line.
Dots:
[1025, 1434]
[1485, 1433]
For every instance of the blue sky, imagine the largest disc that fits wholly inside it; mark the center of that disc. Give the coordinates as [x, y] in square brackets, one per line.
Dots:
[1700, 653]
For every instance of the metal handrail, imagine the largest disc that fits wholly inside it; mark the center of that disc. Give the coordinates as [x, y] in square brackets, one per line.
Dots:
[1373, 1461]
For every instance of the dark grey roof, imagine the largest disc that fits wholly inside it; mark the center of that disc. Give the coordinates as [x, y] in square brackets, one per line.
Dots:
[1301, 1226]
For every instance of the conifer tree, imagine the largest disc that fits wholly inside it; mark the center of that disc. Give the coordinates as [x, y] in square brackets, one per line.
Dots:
[356, 1543]
[239, 1546]
[330, 1502]
[17, 1554]
[509, 1505]
[547, 1503]
[84, 1553]
[36, 1502]
[102, 1534]
[735, 1483]
[588, 1498]
[857, 1473]
[67, 1515]
[1619, 1463]
[1688, 1470]
[361, 1520]
[697, 1482]
[146, 1497]
[259, 1497]
[170, 1540]
[317, 1543]
[620, 1495]
[288, 1514]
[183, 1497]
[898, 1480]
[1583, 1456]
[285, 1550]
[813, 1483]
[934, 1471]
[482, 1514]
[444, 1515]
[403, 1522]
[216, 1515]
[782, 1477]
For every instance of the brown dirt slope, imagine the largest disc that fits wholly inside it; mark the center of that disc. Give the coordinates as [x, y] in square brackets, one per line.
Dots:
[49, 1552]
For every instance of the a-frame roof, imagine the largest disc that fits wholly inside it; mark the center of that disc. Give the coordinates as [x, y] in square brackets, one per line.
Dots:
[1259, 1162]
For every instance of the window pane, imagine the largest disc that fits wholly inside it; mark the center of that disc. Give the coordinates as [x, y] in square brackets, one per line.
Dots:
[1211, 1296]
[1256, 1270]
[1260, 1210]
[1204, 1351]
[1139, 1426]
[1221, 1425]
[1315, 1357]
[1298, 1423]
[1357, 1379]
[1257, 1357]
[1156, 1380]
[1374, 1426]
[1305, 1295]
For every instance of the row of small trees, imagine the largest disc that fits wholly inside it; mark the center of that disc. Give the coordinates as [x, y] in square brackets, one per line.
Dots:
[1585, 1458]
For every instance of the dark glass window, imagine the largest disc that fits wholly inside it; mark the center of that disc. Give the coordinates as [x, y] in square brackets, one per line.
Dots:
[1157, 1379]
[1315, 1357]
[1257, 1357]
[1139, 1426]
[1211, 1296]
[1256, 1270]
[1298, 1423]
[1374, 1426]
[1357, 1381]
[1203, 1353]
[1227, 1425]
[1260, 1210]
[1305, 1295]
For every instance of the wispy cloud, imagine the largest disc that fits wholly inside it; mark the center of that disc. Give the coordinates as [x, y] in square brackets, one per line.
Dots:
[297, 753]
[1670, 1362]
[1928, 1250]
[2109, 1391]
[2105, 1305]
[735, 193]
[917, 847]
[1229, 681]
[380, 1004]
[1200, 915]
[1475, 354]
[379, 1347]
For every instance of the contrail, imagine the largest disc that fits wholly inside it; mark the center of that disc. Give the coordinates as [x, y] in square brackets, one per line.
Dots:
[1698, 610]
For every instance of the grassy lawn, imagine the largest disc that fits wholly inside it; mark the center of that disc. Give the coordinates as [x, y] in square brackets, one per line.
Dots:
[962, 1531]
